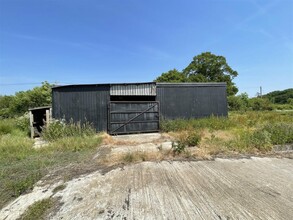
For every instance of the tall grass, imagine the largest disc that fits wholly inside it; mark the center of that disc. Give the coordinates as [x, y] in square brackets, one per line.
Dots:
[21, 165]
[236, 120]
[214, 123]
[249, 131]
[59, 129]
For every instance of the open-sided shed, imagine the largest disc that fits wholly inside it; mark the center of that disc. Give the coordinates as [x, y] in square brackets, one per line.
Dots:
[137, 107]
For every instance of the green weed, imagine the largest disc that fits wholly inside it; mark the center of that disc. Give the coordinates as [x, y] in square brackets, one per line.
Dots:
[178, 147]
[38, 210]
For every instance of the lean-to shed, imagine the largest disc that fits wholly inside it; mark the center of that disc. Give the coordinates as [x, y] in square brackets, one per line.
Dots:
[137, 107]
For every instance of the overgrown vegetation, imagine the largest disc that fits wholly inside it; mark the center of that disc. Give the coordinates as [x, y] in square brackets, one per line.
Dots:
[185, 139]
[59, 129]
[251, 132]
[21, 165]
[277, 100]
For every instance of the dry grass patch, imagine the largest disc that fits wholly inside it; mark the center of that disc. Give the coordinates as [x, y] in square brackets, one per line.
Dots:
[109, 140]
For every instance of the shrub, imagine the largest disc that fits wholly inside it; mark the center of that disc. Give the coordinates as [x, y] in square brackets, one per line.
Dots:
[238, 103]
[193, 139]
[185, 139]
[281, 133]
[248, 141]
[22, 122]
[260, 104]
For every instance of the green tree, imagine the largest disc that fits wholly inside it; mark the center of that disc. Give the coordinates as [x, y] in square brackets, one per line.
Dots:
[280, 97]
[20, 103]
[5, 103]
[208, 67]
[172, 76]
[205, 67]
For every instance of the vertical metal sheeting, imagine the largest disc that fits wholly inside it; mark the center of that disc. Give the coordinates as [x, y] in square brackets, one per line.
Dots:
[193, 100]
[142, 89]
[82, 103]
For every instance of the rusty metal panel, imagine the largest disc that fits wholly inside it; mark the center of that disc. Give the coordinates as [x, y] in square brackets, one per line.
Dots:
[141, 89]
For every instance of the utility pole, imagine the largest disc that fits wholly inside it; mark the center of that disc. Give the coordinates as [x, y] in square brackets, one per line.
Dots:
[260, 91]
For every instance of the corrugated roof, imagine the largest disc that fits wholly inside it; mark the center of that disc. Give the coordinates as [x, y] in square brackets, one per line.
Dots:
[143, 89]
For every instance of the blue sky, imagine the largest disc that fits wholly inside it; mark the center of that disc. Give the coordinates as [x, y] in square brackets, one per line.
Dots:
[91, 41]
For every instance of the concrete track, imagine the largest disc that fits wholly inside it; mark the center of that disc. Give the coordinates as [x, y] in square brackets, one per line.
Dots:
[257, 188]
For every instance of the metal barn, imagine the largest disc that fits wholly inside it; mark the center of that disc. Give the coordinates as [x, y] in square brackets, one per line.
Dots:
[137, 107]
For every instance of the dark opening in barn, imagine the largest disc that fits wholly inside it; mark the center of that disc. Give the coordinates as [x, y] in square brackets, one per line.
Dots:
[137, 107]
[39, 117]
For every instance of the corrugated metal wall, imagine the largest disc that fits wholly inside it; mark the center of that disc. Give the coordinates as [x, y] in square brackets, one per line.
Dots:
[193, 100]
[177, 100]
[82, 103]
[142, 89]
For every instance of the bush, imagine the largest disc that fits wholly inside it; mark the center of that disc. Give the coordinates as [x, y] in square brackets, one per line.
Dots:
[260, 104]
[248, 141]
[193, 139]
[281, 133]
[22, 123]
[185, 139]
[238, 103]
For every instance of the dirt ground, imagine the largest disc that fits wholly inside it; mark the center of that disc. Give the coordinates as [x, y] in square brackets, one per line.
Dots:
[255, 188]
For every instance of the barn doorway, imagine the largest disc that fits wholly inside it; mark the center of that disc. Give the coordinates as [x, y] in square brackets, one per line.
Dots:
[126, 117]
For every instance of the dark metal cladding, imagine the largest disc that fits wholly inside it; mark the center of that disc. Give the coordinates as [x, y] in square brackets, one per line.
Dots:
[82, 103]
[93, 103]
[192, 100]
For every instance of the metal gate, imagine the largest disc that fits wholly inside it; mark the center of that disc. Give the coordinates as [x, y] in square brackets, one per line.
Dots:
[133, 117]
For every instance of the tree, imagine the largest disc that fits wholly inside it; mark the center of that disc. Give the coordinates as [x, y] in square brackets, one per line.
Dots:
[208, 67]
[172, 76]
[205, 67]
[280, 97]
[5, 103]
[20, 103]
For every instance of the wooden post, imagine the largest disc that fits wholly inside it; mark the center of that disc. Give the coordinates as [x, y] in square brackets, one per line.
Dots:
[50, 115]
[32, 124]
[47, 117]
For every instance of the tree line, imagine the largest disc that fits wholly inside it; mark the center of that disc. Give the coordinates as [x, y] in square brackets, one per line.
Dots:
[205, 67]
[18, 104]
